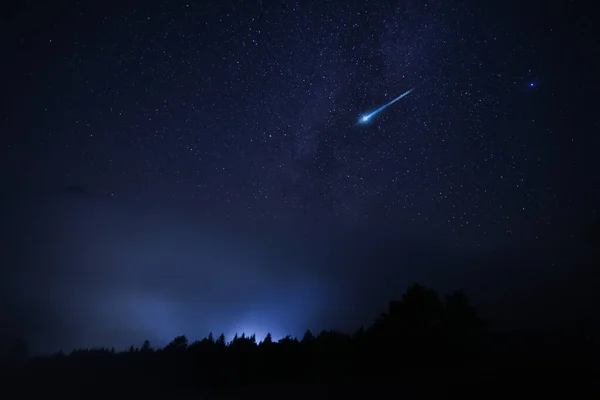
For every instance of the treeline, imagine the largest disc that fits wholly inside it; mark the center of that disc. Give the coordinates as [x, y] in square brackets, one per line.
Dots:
[420, 331]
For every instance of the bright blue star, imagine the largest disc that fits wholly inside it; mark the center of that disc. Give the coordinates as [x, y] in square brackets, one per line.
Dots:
[531, 84]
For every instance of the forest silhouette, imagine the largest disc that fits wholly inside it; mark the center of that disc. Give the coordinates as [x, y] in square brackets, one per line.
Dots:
[421, 338]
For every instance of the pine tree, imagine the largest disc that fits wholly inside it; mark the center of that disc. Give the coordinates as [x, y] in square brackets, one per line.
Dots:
[221, 341]
[268, 339]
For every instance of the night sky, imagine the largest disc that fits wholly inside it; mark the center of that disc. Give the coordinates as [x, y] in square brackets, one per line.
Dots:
[179, 168]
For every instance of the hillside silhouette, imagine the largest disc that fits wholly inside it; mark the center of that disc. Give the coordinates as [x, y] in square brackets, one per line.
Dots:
[423, 343]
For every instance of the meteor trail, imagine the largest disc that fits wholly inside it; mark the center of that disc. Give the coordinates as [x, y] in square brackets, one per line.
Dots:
[367, 117]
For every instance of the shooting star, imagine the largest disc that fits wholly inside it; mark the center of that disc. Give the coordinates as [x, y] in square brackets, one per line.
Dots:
[367, 117]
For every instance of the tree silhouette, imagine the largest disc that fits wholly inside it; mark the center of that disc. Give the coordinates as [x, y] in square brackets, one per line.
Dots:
[146, 346]
[180, 343]
[268, 340]
[221, 344]
[308, 337]
[417, 330]
[288, 340]
[360, 333]
[460, 318]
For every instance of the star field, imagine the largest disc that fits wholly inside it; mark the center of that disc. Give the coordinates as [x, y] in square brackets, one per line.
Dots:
[246, 113]
[248, 110]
